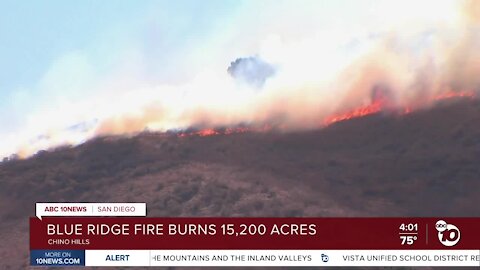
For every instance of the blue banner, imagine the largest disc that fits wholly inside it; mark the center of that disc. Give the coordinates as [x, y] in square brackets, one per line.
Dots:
[57, 257]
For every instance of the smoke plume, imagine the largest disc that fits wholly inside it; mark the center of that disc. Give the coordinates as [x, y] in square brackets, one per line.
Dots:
[311, 83]
[251, 70]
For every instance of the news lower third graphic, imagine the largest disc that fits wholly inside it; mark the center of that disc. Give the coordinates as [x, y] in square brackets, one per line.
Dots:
[121, 234]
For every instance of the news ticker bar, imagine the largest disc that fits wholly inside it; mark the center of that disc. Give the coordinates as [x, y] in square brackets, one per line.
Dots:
[129, 233]
[211, 258]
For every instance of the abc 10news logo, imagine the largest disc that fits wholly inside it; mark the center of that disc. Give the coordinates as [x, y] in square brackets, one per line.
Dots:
[448, 234]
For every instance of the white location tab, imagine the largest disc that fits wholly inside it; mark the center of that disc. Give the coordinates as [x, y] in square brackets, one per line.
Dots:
[91, 209]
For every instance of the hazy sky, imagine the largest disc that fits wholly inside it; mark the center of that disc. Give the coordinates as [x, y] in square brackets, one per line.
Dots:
[43, 41]
[67, 62]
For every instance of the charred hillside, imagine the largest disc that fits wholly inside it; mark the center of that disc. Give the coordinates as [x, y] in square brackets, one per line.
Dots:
[421, 164]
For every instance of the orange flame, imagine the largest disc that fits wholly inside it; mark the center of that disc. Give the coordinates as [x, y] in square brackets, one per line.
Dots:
[375, 107]
[223, 131]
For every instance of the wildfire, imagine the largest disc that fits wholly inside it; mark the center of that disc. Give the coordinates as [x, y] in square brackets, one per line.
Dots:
[222, 131]
[451, 94]
[376, 106]
[379, 105]
[201, 133]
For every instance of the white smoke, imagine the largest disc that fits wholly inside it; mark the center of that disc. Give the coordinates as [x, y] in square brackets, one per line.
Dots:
[318, 72]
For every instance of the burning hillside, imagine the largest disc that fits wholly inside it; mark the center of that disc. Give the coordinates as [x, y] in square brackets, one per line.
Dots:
[424, 163]
[378, 104]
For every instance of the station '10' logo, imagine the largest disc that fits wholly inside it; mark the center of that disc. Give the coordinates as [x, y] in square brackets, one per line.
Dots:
[448, 234]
